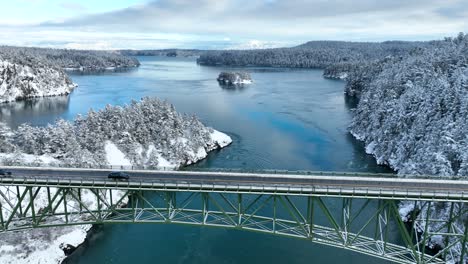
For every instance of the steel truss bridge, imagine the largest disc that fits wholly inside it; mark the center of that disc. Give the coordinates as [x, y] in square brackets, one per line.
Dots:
[358, 212]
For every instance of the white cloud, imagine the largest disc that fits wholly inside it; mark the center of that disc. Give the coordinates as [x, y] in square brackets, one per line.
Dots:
[258, 44]
[251, 23]
[102, 45]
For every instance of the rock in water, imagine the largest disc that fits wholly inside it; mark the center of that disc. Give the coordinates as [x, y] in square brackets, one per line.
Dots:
[233, 78]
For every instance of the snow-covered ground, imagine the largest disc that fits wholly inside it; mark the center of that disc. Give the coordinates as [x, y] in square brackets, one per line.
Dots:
[23, 81]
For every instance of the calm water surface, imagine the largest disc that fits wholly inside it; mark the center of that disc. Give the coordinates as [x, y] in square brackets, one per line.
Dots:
[287, 119]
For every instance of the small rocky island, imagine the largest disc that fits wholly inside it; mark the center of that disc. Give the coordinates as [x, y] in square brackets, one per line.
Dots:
[234, 78]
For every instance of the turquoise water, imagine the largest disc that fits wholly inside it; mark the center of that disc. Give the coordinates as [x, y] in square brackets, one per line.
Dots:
[287, 119]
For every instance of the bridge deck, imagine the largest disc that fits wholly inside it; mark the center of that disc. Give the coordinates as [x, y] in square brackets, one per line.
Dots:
[312, 185]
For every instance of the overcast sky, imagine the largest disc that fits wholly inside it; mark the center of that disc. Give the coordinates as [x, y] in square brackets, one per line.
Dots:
[146, 24]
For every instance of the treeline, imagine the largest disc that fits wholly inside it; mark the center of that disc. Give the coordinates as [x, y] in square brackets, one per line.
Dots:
[413, 111]
[66, 59]
[163, 52]
[144, 131]
[314, 54]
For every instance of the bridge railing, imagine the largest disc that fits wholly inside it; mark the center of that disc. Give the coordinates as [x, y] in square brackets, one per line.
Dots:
[242, 170]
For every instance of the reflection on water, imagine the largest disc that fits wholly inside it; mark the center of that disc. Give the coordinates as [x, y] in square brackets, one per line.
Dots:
[100, 71]
[36, 111]
[232, 87]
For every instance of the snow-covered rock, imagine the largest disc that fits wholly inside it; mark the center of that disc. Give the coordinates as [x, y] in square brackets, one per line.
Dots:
[234, 78]
[23, 81]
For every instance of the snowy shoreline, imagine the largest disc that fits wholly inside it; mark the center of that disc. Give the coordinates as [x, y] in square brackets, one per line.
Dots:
[19, 82]
[148, 134]
[66, 240]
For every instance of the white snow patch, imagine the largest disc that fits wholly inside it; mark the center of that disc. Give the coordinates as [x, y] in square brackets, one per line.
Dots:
[114, 156]
[220, 138]
[343, 76]
[31, 159]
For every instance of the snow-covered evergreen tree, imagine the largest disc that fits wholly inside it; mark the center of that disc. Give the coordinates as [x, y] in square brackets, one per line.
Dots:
[148, 133]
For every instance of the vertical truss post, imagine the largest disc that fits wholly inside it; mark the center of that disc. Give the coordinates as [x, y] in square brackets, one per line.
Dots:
[31, 203]
[111, 200]
[413, 219]
[2, 222]
[426, 229]
[79, 197]
[97, 193]
[65, 209]
[49, 196]
[310, 215]
[205, 207]
[133, 198]
[18, 196]
[170, 204]
[345, 217]
[239, 209]
[274, 213]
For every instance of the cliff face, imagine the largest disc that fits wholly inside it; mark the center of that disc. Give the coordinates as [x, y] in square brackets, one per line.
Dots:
[19, 81]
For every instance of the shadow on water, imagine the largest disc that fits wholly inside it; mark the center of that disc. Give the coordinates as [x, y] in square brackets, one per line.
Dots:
[350, 102]
[36, 111]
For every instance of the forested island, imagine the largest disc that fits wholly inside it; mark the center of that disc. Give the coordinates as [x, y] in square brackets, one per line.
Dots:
[36, 72]
[146, 134]
[234, 78]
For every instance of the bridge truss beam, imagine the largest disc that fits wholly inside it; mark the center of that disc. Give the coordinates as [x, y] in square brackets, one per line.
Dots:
[370, 226]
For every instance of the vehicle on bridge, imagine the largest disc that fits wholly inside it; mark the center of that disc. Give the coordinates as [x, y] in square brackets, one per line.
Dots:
[5, 173]
[119, 176]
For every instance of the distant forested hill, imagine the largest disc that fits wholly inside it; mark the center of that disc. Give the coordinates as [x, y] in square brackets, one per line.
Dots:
[88, 60]
[163, 52]
[314, 54]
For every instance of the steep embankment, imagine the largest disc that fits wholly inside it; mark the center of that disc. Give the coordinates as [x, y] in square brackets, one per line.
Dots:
[149, 134]
[413, 116]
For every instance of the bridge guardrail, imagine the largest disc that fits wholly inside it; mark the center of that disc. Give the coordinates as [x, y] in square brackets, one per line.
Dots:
[245, 170]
